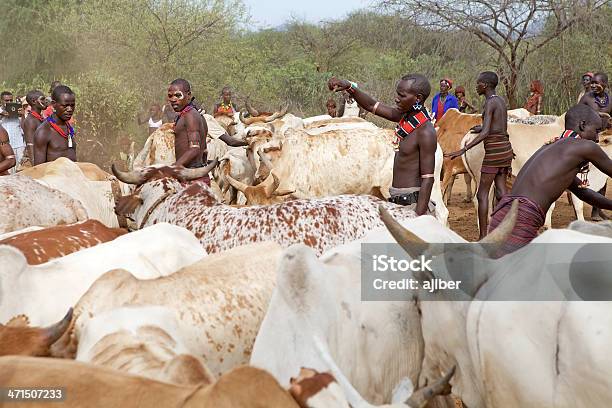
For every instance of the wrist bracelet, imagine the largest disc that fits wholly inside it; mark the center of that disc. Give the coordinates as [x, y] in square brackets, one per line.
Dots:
[352, 88]
[375, 107]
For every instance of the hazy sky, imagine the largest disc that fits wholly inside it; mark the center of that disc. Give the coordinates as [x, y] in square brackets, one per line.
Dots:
[272, 13]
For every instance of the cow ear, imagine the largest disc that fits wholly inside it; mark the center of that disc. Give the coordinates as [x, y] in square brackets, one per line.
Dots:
[13, 263]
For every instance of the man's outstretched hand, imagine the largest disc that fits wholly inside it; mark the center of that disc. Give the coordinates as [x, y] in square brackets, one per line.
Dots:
[454, 155]
[334, 84]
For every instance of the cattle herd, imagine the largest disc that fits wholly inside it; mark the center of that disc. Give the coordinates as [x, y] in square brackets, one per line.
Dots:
[247, 293]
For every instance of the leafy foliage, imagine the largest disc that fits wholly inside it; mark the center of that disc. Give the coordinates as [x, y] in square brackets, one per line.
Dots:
[119, 56]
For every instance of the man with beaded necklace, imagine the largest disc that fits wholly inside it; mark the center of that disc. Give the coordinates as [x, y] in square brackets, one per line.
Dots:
[54, 137]
[415, 144]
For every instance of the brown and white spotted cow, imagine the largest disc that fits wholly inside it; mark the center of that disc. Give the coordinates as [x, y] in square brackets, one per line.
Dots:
[319, 223]
[43, 245]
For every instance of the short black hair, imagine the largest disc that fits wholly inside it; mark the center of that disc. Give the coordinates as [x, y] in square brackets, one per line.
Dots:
[490, 78]
[54, 85]
[60, 90]
[4, 93]
[183, 83]
[32, 96]
[603, 76]
[226, 88]
[420, 84]
[579, 113]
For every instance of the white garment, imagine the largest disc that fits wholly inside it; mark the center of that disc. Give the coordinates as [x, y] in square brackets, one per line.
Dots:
[215, 130]
[13, 128]
[351, 110]
[19, 152]
[154, 124]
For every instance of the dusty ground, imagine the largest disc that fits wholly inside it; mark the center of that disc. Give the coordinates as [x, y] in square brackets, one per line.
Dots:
[462, 216]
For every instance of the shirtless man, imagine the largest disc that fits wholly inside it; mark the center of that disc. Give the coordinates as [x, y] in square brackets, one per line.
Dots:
[599, 100]
[416, 143]
[7, 156]
[36, 100]
[55, 137]
[496, 165]
[190, 128]
[550, 171]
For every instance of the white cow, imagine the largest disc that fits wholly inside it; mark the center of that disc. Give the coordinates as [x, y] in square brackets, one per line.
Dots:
[25, 203]
[46, 291]
[219, 302]
[603, 228]
[141, 341]
[512, 353]
[97, 197]
[338, 158]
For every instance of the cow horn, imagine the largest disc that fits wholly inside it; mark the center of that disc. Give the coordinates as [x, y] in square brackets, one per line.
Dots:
[265, 159]
[192, 174]
[249, 108]
[501, 233]
[278, 114]
[269, 189]
[241, 117]
[249, 121]
[421, 397]
[238, 185]
[53, 333]
[406, 239]
[136, 177]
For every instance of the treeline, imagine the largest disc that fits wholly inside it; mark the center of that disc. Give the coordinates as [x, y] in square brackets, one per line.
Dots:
[119, 56]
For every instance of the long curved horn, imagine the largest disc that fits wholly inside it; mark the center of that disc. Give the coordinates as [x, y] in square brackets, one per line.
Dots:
[192, 174]
[130, 177]
[420, 398]
[53, 333]
[249, 108]
[278, 114]
[411, 243]
[251, 120]
[241, 117]
[264, 159]
[238, 185]
[269, 189]
[501, 233]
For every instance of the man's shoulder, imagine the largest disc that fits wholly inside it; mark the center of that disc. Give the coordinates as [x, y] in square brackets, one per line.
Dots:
[3, 134]
[31, 120]
[43, 128]
[426, 132]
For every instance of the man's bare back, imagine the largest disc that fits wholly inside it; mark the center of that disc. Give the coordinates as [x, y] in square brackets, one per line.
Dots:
[550, 171]
[553, 169]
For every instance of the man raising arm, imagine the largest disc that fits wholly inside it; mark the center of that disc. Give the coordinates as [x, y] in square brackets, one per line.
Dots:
[415, 145]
